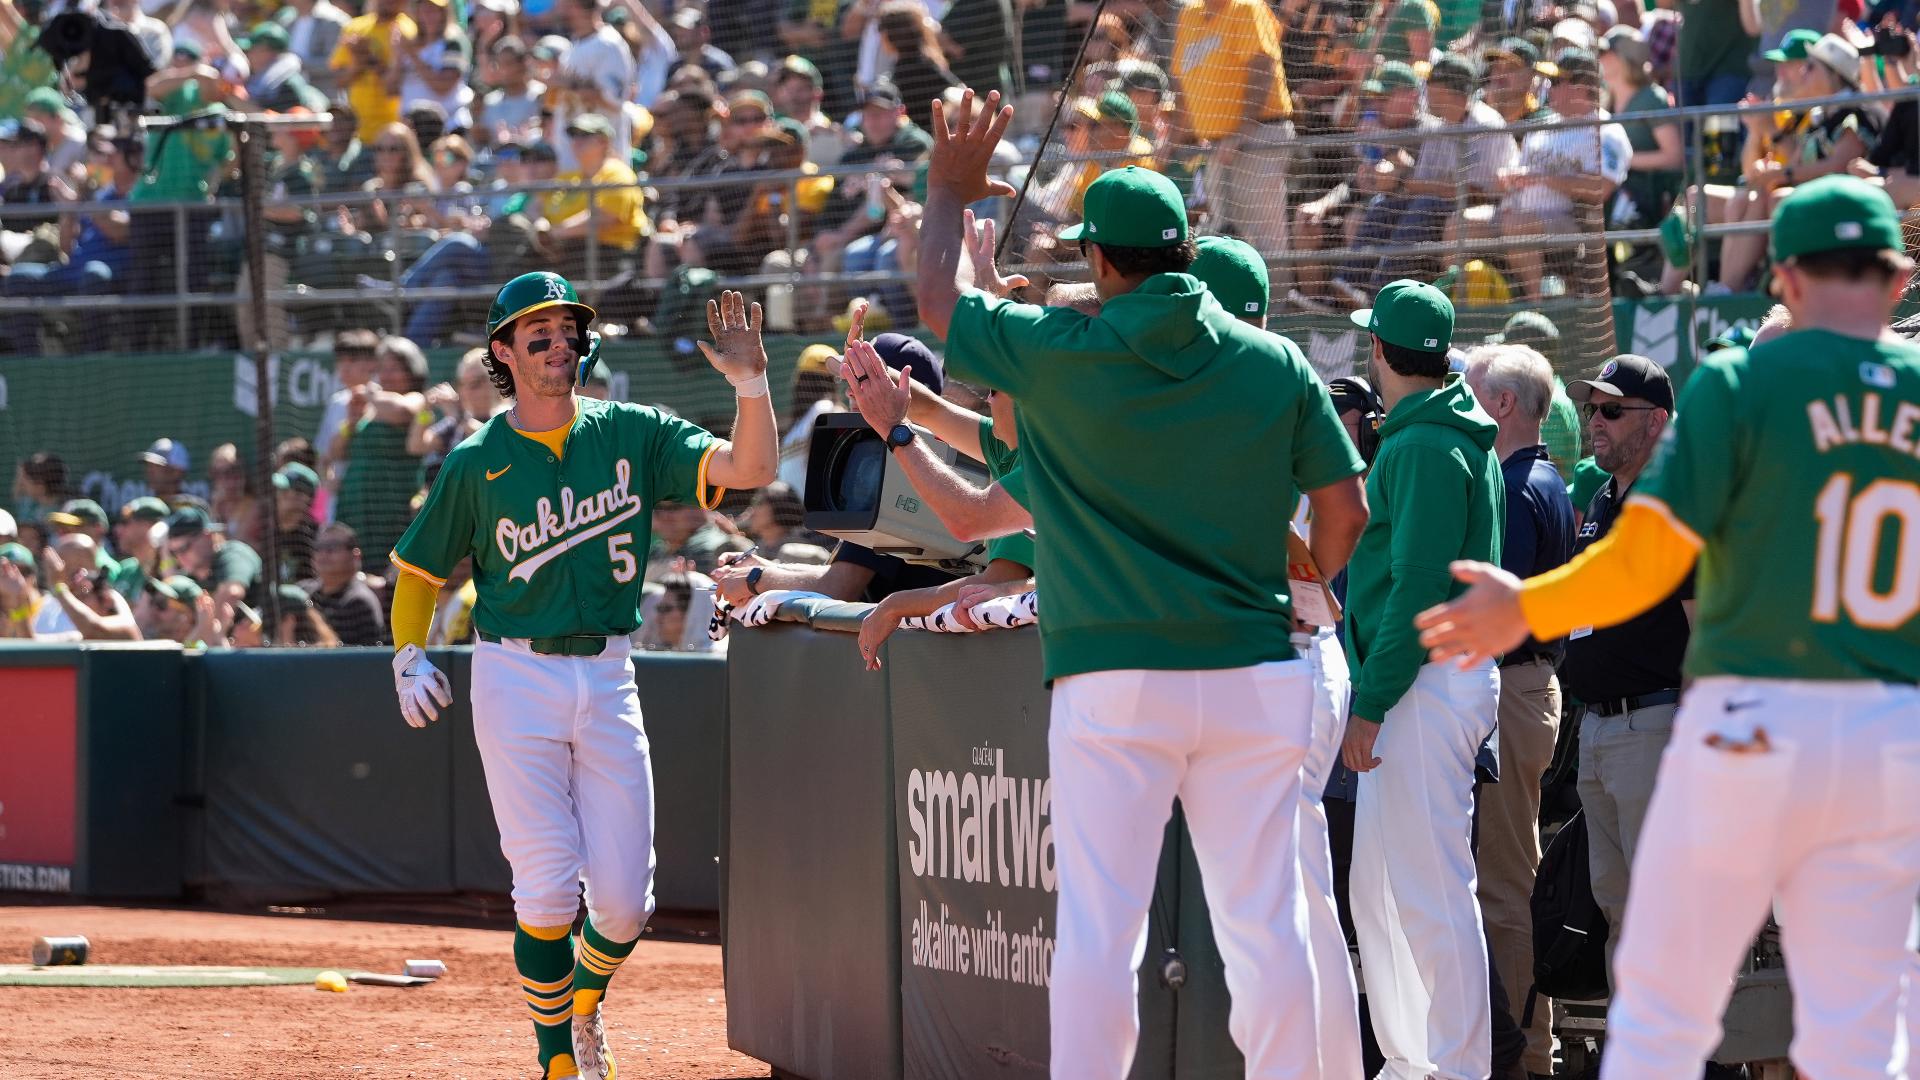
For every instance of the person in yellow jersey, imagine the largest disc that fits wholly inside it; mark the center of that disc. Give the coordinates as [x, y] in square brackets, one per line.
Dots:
[551, 499]
[616, 215]
[1792, 778]
[365, 60]
[1233, 94]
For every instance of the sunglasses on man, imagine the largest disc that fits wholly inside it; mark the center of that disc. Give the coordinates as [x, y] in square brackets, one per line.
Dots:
[1613, 410]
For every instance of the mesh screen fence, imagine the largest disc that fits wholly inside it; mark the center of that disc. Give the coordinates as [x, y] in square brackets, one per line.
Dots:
[1351, 142]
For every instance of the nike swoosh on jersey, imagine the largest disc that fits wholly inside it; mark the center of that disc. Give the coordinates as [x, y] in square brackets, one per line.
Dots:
[1738, 706]
[492, 475]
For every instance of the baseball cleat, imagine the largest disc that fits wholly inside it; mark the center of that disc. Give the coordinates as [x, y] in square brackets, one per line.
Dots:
[590, 1051]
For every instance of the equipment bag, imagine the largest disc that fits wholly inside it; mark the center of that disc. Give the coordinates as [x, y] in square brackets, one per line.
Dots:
[1569, 930]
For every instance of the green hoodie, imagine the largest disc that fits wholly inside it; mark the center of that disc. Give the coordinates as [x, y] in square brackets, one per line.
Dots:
[1436, 496]
[1164, 444]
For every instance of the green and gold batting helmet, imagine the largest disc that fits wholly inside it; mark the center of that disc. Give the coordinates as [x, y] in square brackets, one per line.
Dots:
[533, 292]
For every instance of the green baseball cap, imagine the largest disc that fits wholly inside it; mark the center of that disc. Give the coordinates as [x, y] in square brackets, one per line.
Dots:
[182, 588]
[188, 521]
[267, 35]
[145, 508]
[800, 65]
[1532, 329]
[294, 476]
[1390, 76]
[47, 99]
[19, 556]
[1131, 207]
[1234, 273]
[1835, 213]
[1794, 46]
[1410, 314]
[1114, 105]
[78, 512]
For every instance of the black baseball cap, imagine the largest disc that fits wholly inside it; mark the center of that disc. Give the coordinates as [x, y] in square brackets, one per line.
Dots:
[899, 350]
[883, 92]
[1627, 376]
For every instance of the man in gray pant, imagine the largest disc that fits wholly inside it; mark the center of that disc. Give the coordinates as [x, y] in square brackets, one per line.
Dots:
[1626, 677]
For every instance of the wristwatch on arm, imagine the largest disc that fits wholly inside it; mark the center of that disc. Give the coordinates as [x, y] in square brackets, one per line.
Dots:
[900, 437]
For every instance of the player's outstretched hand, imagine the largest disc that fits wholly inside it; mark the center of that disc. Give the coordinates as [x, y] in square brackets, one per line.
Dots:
[422, 688]
[986, 272]
[1481, 623]
[882, 401]
[737, 351]
[962, 153]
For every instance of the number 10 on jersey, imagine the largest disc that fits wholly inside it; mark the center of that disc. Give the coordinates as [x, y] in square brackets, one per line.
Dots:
[1846, 563]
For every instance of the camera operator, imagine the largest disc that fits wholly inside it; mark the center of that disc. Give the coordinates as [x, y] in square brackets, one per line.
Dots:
[856, 572]
[993, 440]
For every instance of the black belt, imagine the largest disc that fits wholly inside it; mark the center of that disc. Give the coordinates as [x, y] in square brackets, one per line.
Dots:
[1617, 706]
[566, 645]
[1511, 659]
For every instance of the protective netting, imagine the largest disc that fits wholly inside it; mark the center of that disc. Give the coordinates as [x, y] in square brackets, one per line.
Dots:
[1353, 144]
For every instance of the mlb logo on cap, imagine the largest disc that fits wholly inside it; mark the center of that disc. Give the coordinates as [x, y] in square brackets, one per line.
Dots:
[1433, 343]
[1253, 307]
[1848, 230]
[1170, 234]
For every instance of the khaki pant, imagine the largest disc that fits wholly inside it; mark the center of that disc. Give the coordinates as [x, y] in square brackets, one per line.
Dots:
[1619, 757]
[1510, 841]
[1250, 192]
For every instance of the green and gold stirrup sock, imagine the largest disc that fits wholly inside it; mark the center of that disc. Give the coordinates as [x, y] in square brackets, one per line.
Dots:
[599, 959]
[544, 958]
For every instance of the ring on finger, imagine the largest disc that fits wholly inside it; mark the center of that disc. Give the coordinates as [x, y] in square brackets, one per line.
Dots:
[861, 378]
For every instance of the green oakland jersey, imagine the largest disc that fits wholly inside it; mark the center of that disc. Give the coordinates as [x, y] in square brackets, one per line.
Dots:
[558, 541]
[1002, 459]
[1797, 468]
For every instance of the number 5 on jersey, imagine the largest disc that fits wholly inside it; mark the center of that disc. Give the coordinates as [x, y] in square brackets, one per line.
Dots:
[1847, 564]
[624, 566]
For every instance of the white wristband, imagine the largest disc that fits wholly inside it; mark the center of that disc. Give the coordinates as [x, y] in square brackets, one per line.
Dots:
[750, 388]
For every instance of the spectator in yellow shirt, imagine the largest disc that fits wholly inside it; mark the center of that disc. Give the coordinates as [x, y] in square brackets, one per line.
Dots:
[365, 58]
[616, 215]
[1233, 93]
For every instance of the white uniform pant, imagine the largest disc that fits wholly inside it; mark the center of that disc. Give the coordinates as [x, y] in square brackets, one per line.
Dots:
[1825, 827]
[1338, 1000]
[1423, 952]
[571, 782]
[1230, 744]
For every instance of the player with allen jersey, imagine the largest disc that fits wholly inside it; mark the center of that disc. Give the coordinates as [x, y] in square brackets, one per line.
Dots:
[1792, 781]
[553, 500]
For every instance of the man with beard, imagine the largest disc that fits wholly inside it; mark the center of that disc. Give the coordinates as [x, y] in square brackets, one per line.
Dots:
[1626, 676]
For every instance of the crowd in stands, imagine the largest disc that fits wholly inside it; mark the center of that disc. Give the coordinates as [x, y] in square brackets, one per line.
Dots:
[710, 133]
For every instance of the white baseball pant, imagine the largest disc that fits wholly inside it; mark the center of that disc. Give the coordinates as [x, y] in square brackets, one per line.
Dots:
[1823, 822]
[1230, 744]
[1423, 952]
[1338, 1000]
[571, 782]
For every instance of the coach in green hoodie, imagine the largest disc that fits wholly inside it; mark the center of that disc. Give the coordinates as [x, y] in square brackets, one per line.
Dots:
[1436, 495]
[1168, 622]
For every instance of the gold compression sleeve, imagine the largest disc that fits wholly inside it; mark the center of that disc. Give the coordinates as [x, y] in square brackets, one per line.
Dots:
[1634, 567]
[413, 602]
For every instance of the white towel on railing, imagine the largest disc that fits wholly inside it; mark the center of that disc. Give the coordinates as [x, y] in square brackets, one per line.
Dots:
[999, 613]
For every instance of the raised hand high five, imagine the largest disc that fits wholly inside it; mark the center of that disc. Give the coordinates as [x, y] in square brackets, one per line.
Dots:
[986, 272]
[961, 153]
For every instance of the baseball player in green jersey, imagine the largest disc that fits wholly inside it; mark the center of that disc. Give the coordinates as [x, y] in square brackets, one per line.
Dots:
[552, 500]
[1793, 775]
[1168, 633]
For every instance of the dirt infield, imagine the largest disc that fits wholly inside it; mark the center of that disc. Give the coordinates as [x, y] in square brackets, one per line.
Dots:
[666, 1014]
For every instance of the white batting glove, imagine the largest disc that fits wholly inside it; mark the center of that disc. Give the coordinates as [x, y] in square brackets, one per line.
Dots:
[419, 685]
